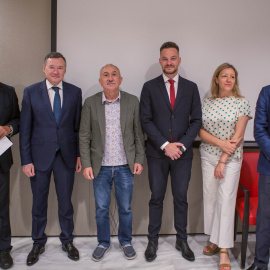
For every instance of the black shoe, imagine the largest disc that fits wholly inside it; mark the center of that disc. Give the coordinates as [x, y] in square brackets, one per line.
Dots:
[5, 259]
[33, 256]
[151, 251]
[73, 252]
[187, 253]
[253, 267]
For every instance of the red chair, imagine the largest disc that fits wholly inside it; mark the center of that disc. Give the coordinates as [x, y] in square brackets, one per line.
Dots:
[247, 199]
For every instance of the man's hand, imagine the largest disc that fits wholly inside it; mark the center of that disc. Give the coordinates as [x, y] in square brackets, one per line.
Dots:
[218, 173]
[4, 131]
[172, 150]
[228, 146]
[137, 168]
[29, 170]
[78, 165]
[88, 173]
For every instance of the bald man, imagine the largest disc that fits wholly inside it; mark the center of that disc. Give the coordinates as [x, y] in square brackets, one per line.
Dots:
[112, 150]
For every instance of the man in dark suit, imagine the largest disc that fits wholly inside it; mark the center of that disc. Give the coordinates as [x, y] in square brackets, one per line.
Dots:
[262, 137]
[50, 119]
[170, 110]
[9, 126]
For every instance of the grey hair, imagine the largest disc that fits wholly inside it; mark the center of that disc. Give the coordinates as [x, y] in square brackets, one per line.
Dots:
[112, 66]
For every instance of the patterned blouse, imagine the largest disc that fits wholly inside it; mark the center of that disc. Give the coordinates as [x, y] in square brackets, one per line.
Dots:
[220, 116]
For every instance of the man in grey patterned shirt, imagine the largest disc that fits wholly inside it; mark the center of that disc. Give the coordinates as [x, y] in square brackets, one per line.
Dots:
[112, 150]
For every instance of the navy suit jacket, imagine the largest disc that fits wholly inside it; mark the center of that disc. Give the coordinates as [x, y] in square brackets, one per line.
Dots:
[9, 116]
[39, 131]
[159, 121]
[262, 130]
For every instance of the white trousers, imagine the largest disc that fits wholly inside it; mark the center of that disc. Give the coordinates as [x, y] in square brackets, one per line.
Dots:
[219, 197]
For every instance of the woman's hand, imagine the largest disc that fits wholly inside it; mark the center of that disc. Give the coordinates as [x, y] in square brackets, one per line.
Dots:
[228, 146]
[218, 173]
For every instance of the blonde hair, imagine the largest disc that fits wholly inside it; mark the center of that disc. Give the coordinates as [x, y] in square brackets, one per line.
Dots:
[215, 86]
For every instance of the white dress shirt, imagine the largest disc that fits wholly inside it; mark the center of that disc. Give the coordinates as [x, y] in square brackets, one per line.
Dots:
[51, 92]
[168, 85]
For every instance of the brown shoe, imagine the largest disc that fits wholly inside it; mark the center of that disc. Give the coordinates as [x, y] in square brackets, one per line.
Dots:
[224, 265]
[210, 251]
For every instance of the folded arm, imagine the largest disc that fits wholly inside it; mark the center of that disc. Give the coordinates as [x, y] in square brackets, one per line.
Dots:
[237, 137]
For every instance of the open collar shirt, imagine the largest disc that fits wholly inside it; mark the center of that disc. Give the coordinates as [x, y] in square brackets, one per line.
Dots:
[114, 152]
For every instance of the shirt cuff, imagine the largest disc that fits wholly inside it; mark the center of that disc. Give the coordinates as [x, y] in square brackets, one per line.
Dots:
[163, 145]
[11, 132]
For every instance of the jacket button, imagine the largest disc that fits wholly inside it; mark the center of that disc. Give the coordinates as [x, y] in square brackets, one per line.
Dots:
[172, 116]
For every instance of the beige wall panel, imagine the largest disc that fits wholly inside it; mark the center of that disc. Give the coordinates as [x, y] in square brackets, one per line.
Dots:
[25, 40]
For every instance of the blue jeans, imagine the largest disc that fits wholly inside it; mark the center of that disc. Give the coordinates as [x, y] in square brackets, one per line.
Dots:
[123, 184]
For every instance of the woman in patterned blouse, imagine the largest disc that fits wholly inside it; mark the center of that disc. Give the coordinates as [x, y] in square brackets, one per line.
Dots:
[225, 116]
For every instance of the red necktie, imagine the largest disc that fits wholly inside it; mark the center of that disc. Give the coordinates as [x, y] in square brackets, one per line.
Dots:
[172, 96]
[172, 93]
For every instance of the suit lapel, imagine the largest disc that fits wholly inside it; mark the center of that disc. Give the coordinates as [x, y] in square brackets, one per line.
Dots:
[164, 92]
[46, 100]
[66, 98]
[123, 111]
[101, 115]
[179, 92]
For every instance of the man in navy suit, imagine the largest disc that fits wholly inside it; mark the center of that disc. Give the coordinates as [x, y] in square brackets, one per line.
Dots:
[50, 119]
[170, 110]
[262, 137]
[9, 126]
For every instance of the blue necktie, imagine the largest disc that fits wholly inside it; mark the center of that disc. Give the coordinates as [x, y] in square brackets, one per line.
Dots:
[56, 104]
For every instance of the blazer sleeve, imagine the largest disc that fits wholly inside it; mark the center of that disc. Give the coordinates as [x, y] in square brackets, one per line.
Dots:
[15, 116]
[138, 135]
[146, 116]
[85, 135]
[261, 122]
[195, 121]
[26, 129]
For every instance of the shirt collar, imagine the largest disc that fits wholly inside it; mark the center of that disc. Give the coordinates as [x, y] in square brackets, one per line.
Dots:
[176, 78]
[49, 85]
[104, 100]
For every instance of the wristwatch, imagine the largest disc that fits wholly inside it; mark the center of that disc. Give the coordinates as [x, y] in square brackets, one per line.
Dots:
[183, 149]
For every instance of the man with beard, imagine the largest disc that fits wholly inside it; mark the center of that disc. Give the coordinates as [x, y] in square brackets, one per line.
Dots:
[170, 111]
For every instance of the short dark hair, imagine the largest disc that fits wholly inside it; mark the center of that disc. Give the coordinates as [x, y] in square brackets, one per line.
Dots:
[168, 45]
[54, 55]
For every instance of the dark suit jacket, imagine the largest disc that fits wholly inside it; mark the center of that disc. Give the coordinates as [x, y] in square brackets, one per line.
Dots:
[9, 116]
[262, 130]
[159, 121]
[40, 132]
[93, 131]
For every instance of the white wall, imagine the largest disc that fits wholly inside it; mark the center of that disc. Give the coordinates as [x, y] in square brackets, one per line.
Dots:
[129, 34]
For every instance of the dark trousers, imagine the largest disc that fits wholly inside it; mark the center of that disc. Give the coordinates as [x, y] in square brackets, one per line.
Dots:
[5, 233]
[263, 223]
[40, 183]
[158, 171]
